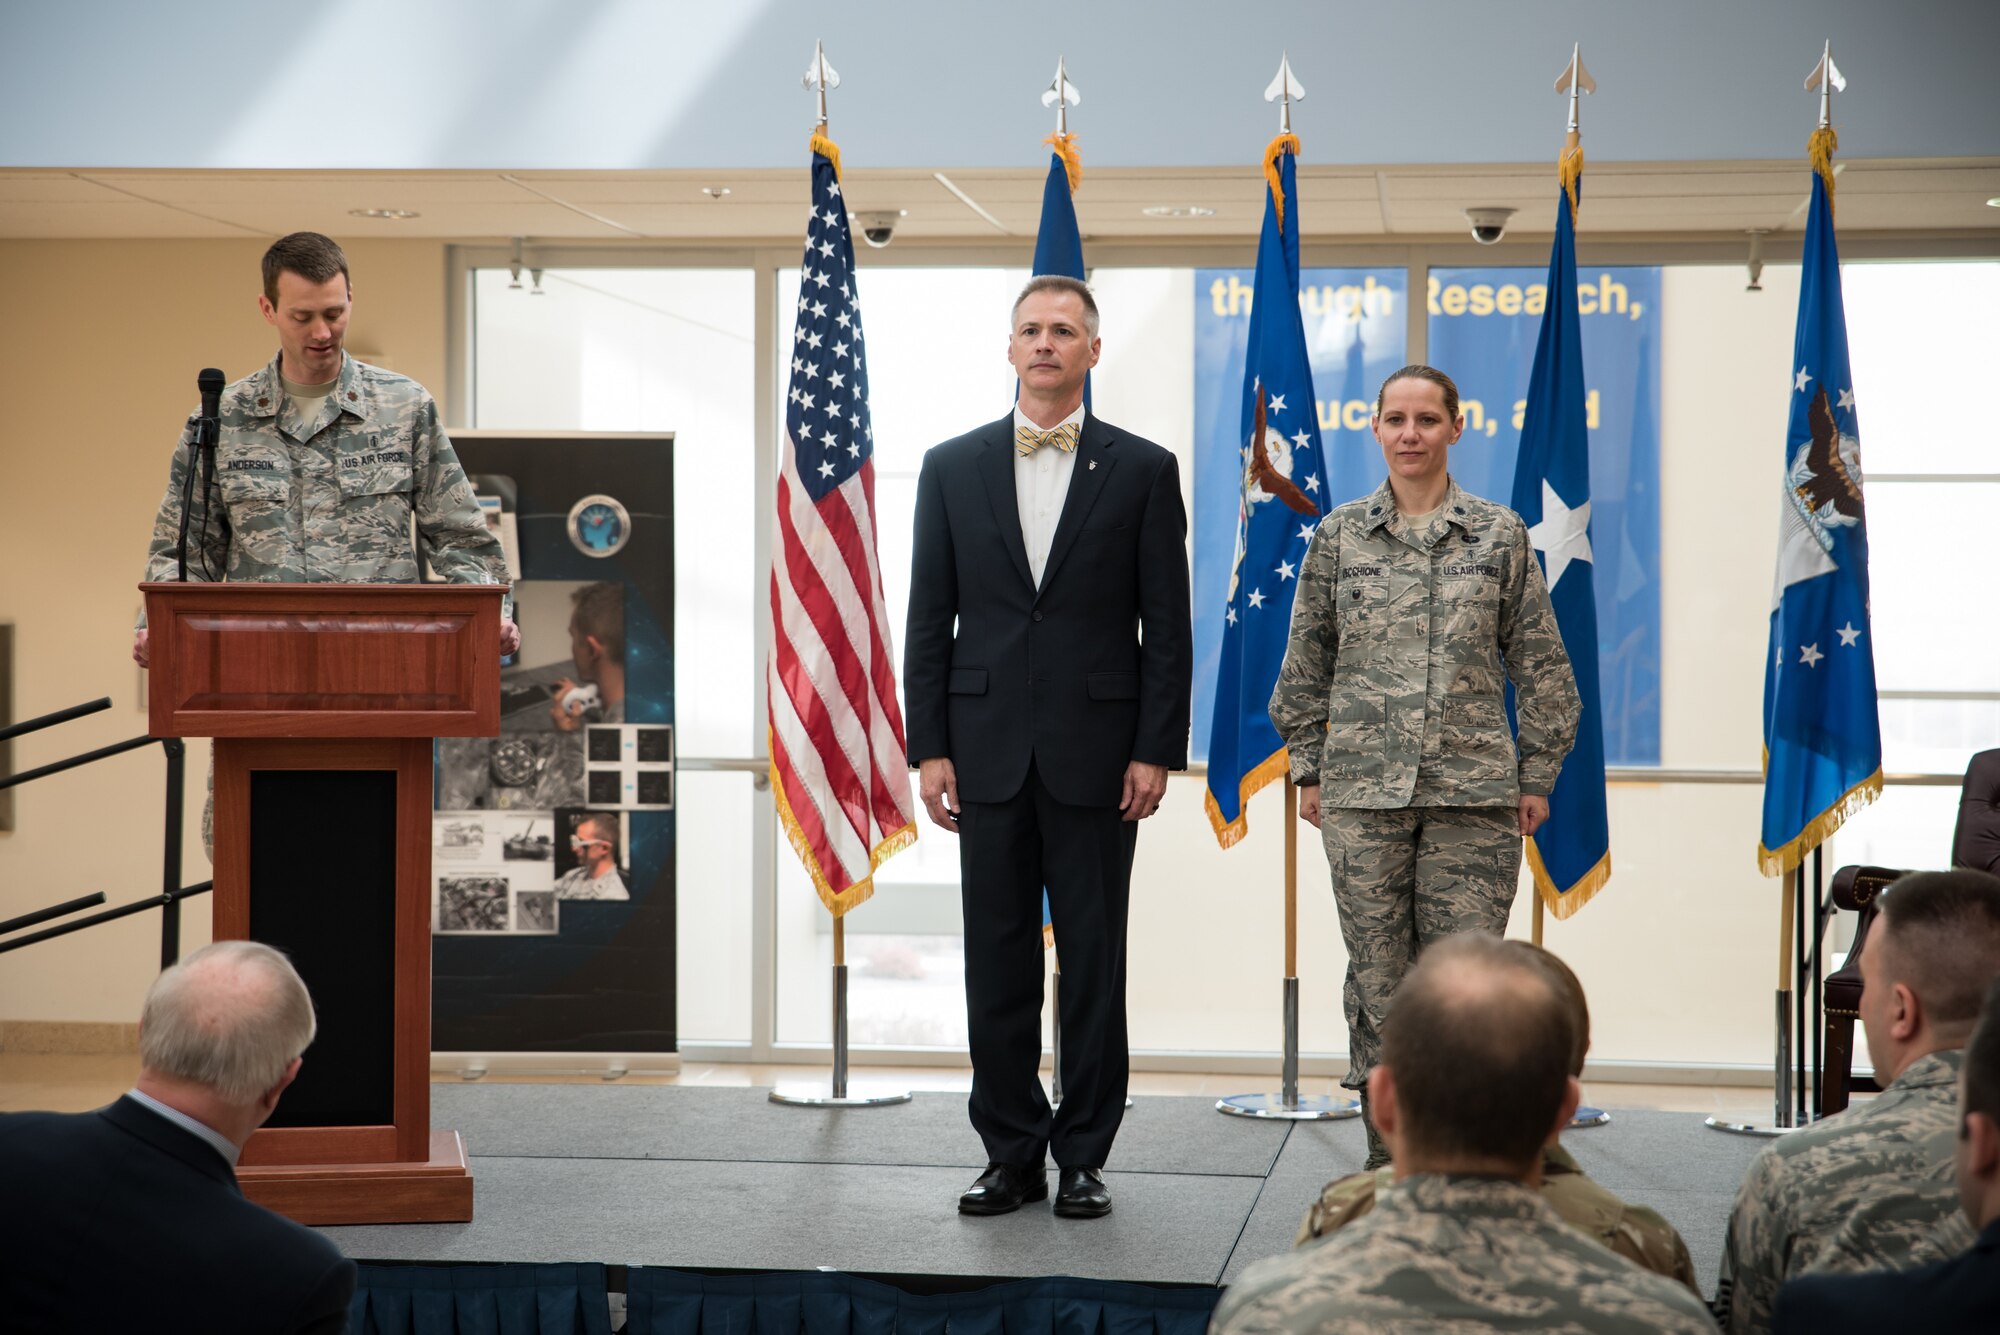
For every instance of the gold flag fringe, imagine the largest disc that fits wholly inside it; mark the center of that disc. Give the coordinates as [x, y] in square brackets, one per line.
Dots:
[1820, 148]
[1229, 833]
[1787, 857]
[1563, 903]
[1284, 143]
[837, 902]
[1065, 147]
[1569, 170]
[826, 148]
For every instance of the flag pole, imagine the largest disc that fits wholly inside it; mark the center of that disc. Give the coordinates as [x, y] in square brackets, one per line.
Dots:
[1288, 1104]
[1825, 79]
[819, 78]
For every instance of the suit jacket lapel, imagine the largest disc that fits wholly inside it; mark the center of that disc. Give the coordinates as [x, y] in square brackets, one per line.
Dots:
[996, 465]
[1095, 458]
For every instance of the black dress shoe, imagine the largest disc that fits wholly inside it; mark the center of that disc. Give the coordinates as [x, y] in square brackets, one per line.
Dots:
[1004, 1187]
[1082, 1194]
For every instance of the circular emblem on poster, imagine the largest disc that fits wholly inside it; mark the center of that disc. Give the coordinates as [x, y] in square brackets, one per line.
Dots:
[599, 526]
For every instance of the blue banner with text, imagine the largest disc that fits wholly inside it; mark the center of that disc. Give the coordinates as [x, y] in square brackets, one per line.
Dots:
[1356, 322]
[1482, 330]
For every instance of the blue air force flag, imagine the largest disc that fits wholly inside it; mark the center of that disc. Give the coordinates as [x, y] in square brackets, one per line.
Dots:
[1058, 240]
[1282, 492]
[1822, 738]
[1571, 855]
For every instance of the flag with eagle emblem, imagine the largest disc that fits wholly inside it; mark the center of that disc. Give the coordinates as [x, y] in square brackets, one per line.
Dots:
[1283, 480]
[1822, 737]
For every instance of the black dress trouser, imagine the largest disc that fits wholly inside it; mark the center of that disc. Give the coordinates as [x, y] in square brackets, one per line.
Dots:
[1008, 852]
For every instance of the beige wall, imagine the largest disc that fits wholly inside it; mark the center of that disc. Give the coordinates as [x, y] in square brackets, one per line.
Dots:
[99, 345]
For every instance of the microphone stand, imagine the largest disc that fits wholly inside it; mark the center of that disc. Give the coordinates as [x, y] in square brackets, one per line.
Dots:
[206, 429]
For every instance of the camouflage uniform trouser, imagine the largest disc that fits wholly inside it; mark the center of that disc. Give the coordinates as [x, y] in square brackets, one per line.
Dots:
[1403, 878]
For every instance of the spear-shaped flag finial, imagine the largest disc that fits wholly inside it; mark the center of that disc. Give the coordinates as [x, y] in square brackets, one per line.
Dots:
[1062, 95]
[1827, 80]
[821, 76]
[1285, 90]
[1576, 81]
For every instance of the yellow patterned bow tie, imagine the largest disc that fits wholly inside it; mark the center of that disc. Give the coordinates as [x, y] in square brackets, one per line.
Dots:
[1027, 440]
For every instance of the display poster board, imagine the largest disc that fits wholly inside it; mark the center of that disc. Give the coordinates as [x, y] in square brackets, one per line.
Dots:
[553, 844]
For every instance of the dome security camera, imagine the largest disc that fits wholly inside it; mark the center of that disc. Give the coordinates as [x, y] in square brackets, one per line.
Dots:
[1488, 225]
[879, 229]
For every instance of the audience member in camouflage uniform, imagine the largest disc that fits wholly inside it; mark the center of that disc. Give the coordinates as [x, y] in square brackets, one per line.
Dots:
[1414, 607]
[1636, 1233]
[1472, 1082]
[322, 462]
[1960, 1296]
[1872, 1188]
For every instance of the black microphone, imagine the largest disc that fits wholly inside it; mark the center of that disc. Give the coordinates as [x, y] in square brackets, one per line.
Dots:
[210, 383]
[207, 429]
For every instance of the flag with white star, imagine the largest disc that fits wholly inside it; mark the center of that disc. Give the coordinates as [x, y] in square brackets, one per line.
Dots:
[839, 771]
[1281, 495]
[1822, 736]
[1570, 856]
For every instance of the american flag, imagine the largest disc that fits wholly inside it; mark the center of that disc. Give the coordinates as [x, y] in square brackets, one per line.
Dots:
[838, 765]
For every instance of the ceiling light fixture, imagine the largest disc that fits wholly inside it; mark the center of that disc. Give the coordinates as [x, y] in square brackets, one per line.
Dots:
[393, 215]
[514, 267]
[1178, 211]
[1993, 203]
[715, 191]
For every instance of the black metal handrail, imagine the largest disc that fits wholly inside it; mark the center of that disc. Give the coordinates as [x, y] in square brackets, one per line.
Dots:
[172, 892]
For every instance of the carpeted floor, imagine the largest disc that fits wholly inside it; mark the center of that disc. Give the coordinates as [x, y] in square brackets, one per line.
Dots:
[706, 1177]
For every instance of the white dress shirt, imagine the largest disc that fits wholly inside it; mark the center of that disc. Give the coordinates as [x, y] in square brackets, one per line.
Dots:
[1041, 484]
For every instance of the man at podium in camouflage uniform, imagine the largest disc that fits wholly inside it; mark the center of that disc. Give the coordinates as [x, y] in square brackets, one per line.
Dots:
[322, 462]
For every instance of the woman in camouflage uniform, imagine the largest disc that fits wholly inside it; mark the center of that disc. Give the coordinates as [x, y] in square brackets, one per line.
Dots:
[1413, 605]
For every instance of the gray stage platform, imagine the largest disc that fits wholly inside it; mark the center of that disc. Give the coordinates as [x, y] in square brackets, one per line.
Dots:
[723, 1178]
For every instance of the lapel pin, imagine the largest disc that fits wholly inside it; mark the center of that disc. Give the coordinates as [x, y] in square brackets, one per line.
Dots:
[1093, 465]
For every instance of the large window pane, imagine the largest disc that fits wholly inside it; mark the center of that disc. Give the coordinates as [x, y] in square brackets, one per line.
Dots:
[936, 345]
[1932, 630]
[652, 350]
[1922, 341]
[666, 350]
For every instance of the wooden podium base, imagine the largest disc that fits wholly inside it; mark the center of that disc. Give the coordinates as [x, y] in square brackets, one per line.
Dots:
[437, 1192]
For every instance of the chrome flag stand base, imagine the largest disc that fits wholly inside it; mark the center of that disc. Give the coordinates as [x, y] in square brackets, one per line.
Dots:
[814, 1094]
[1587, 1116]
[1288, 1104]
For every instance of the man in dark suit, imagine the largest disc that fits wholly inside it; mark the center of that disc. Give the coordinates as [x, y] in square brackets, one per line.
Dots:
[130, 1216]
[1046, 674]
[1948, 1297]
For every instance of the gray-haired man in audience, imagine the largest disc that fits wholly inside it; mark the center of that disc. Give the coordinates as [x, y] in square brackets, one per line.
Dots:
[138, 1201]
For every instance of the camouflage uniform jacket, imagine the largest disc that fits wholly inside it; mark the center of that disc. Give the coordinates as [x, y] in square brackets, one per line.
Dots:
[1391, 690]
[1636, 1233]
[1867, 1189]
[329, 499]
[1456, 1253]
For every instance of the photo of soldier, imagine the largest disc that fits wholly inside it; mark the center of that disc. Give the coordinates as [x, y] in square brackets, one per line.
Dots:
[588, 863]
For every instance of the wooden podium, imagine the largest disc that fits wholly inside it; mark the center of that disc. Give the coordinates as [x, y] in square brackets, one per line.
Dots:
[323, 700]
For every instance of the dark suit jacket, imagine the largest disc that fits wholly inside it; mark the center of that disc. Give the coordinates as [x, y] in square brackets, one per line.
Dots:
[1083, 676]
[118, 1219]
[1959, 1295]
